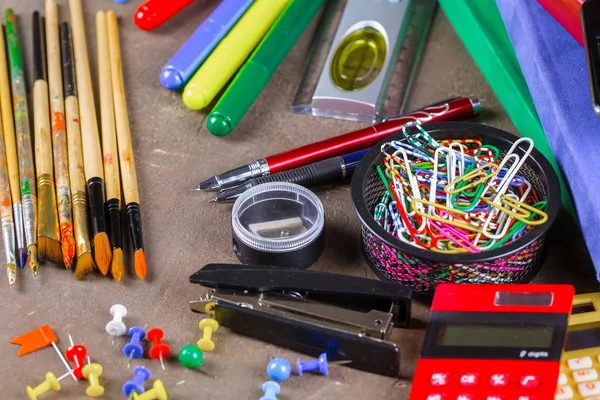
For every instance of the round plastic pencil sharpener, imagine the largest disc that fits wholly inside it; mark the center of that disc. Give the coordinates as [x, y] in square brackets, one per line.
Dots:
[278, 224]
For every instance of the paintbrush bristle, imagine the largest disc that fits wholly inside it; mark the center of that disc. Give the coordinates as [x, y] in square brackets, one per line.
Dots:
[32, 259]
[68, 249]
[11, 271]
[139, 261]
[102, 252]
[117, 266]
[22, 253]
[50, 250]
[84, 265]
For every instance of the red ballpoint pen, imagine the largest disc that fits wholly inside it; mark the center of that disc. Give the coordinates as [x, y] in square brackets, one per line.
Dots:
[154, 13]
[454, 109]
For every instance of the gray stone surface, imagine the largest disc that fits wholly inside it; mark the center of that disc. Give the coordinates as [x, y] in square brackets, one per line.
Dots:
[183, 232]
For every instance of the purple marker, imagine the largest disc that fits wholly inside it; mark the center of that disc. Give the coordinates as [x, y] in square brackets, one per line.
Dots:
[182, 66]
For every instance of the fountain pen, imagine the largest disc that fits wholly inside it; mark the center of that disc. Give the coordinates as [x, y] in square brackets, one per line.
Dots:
[454, 109]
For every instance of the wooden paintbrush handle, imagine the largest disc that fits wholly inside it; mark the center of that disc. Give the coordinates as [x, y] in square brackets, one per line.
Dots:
[57, 109]
[76, 175]
[8, 124]
[89, 122]
[128, 174]
[112, 180]
[41, 124]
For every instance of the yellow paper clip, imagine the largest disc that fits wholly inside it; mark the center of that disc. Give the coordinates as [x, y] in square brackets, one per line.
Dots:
[470, 175]
[451, 211]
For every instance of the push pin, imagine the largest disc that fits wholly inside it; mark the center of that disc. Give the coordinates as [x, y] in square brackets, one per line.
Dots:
[159, 350]
[116, 327]
[279, 369]
[76, 354]
[190, 356]
[92, 373]
[271, 390]
[207, 326]
[133, 349]
[157, 392]
[313, 365]
[140, 375]
[51, 383]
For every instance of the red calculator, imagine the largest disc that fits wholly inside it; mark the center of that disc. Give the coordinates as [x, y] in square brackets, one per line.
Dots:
[493, 342]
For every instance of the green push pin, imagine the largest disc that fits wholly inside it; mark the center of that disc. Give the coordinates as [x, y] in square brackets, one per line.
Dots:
[190, 356]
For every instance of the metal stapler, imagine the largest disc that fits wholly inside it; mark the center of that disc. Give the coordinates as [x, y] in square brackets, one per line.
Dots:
[312, 312]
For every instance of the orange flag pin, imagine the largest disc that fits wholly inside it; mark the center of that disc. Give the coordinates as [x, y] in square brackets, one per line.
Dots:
[34, 340]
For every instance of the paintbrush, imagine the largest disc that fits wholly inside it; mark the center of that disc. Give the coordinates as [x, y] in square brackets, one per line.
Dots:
[94, 173]
[59, 134]
[48, 229]
[85, 262]
[126, 160]
[10, 147]
[109, 149]
[6, 211]
[24, 148]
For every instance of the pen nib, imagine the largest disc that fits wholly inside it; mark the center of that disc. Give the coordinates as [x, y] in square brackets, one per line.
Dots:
[209, 184]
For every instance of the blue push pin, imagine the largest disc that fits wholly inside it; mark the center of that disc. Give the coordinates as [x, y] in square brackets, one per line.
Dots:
[271, 389]
[133, 348]
[140, 375]
[313, 365]
[120, 1]
[279, 369]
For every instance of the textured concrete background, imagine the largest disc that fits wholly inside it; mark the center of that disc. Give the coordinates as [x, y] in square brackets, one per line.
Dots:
[183, 232]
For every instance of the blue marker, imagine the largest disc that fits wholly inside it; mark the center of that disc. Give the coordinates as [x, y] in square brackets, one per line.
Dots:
[184, 64]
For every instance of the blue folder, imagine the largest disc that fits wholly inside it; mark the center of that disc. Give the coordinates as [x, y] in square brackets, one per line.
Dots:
[554, 67]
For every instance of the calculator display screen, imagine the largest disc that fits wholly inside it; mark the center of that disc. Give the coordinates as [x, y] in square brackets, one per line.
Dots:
[496, 336]
[582, 339]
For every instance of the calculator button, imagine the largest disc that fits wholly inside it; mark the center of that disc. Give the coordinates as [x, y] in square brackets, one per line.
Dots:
[562, 379]
[499, 380]
[529, 382]
[579, 362]
[563, 393]
[465, 397]
[526, 397]
[440, 379]
[469, 380]
[436, 396]
[495, 397]
[585, 375]
[589, 389]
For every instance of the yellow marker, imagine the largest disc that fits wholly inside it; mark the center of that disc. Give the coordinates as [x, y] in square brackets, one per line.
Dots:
[231, 53]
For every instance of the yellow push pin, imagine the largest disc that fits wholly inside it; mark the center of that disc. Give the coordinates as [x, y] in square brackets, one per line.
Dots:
[157, 392]
[92, 373]
[208, 326]
[51, 383]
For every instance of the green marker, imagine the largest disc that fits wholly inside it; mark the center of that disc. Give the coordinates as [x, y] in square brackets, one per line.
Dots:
[256, 72]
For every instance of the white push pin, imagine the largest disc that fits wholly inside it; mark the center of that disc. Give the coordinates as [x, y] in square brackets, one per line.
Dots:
[116, 327]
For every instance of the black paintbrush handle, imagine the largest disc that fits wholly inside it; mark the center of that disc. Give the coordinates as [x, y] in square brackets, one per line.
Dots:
[39, 48]
[113, 212]
[95, 189]
[68, 66]
[134, 219]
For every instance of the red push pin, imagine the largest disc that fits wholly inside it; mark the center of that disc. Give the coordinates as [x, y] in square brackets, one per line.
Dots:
[159, 350]
[76, 354]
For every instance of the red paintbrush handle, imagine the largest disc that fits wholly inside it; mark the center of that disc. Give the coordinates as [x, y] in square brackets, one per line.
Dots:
[455, 109]
[154, 13]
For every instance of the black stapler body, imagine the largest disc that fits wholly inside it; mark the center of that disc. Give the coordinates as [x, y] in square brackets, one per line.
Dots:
[347, 317]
